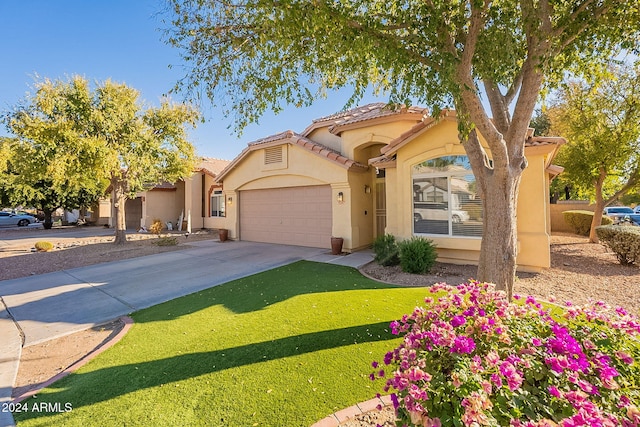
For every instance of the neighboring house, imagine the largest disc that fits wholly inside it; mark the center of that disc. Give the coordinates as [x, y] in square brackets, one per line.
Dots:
[196, 200]
[371, 170]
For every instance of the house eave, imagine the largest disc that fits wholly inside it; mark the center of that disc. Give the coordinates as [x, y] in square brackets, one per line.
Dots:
[294, 139]
[337, 129]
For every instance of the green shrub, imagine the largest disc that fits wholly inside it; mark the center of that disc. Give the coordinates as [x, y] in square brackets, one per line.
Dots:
[417, 255]
[166, 241]
[580, 221]
[156, 227]
[386, 250]
[624, 241]
[43, 246]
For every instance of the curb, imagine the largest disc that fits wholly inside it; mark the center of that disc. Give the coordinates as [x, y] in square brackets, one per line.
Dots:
[9, 361]
[344, 415]
[128, 323]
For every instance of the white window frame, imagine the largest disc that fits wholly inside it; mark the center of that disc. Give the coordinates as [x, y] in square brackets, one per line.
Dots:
[449, 199]
[218, 208]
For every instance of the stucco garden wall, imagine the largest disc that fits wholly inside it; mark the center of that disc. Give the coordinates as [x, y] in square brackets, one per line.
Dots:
[557, 218]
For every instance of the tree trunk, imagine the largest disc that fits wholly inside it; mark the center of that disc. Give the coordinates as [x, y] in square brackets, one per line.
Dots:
[499, 247]
[120, 199]
[47, 224]
[599, 207]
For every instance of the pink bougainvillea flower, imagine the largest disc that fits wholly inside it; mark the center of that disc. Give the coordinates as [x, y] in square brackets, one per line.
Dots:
[482, 354]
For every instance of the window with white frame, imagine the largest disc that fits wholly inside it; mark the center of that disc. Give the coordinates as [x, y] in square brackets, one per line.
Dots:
[217, 203]
[445, 198]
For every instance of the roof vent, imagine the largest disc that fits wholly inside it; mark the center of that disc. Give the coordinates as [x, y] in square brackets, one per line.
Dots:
[273, 155]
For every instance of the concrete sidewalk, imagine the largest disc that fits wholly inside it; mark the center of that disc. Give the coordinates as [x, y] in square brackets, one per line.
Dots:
[44, 307]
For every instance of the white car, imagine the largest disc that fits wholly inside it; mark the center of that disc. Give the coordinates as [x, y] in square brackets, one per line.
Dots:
[438, 212]
[11, 219]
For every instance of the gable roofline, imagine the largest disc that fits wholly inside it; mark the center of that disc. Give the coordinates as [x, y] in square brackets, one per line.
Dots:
[425, 124]
[365, 115]
[450, 115]
[292, 138]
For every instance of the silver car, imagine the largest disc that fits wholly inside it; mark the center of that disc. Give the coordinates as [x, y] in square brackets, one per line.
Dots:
[11, 219]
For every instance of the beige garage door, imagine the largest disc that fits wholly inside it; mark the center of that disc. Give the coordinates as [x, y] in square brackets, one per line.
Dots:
[298, 216]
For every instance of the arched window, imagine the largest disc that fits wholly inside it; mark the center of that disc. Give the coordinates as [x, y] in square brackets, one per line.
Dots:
[445, 198]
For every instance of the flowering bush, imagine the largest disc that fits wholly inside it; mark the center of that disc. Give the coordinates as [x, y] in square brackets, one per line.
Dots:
[472, 358]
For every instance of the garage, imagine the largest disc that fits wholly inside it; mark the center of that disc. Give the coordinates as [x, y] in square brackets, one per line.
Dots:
[298, 216]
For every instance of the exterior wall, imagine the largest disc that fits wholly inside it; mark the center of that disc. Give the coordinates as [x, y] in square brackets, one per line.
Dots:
[557, 218]
[355, 140]
[533, 220]
[326, 138]
[362, 201]
[213, 222]
[193, 202]
[101, 213]
[160, 204]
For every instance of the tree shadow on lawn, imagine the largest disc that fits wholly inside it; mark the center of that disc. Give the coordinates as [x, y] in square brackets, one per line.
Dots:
[244, 295]
[83, 389]
[270, 287]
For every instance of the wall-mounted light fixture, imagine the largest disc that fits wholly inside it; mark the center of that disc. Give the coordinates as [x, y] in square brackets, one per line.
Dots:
[367, 189]
[230, 200]
[340, 197]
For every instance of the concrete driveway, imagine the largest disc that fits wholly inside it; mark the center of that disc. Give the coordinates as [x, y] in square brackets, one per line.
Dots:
[39, 308]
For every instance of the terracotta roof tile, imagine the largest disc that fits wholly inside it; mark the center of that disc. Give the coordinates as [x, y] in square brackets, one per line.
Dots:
[211, 166]
[534, 141]
[376, 110]
[290, 137]
[164, 186]
[428, 122]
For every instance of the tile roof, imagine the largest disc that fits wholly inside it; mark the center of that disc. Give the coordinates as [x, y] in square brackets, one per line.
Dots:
[164, 186]
[290, 137]
[536, 141]
[374, 111]
[428, 122]
[211, 166]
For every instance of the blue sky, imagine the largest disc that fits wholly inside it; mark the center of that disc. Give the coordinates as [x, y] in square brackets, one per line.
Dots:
[119, 40]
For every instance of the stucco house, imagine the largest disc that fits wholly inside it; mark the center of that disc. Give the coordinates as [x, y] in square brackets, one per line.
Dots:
[373, 170]
[197, 200]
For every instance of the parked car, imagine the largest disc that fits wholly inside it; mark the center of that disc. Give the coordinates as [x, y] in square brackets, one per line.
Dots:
[21, 220]
[619, 213]
[438, 212]
[637, 209]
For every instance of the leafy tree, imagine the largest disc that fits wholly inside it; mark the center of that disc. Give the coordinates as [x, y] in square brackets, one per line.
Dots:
[49, 171]
[82, 139]
[259, 53]
[602, 122]
[541, 123]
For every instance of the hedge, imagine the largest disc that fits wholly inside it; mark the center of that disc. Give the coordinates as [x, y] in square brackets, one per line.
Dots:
[623, 240]
[580, 221]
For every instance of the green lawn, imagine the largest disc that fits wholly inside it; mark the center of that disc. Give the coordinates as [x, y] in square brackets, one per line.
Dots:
[282, 348]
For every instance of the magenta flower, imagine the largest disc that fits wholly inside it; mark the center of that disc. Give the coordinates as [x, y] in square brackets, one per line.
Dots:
[463, 344]
[457, 321]
[473, 348]
[553, 391]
